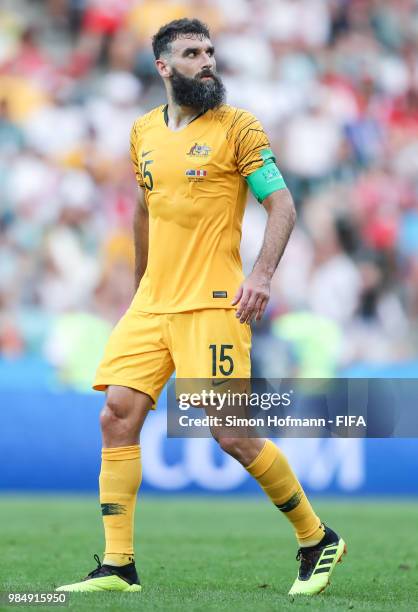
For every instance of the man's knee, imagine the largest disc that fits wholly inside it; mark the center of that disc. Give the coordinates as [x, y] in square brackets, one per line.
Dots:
[109, 417]
[232, 446]
[245, 450]
[118, 409]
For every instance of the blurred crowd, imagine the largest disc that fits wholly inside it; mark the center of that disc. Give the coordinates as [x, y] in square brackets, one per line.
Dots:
[335, 83]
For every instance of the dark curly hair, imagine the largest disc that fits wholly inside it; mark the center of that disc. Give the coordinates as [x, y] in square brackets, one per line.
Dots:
[173, 30]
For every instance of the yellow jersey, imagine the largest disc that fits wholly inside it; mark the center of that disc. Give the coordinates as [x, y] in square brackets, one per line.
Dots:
[195, 192]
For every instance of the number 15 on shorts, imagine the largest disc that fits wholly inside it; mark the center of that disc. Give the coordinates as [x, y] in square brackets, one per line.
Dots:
[222, 362]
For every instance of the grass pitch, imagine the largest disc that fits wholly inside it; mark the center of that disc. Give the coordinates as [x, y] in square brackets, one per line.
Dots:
[211, 554]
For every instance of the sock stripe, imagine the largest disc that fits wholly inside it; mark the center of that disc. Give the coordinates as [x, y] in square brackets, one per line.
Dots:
[111, 509]
[291, 503]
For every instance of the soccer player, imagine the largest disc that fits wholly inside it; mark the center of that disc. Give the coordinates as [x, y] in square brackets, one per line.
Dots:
[194, 160]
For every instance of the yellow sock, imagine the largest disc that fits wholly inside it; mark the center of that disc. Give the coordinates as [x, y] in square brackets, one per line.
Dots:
[274, 474]
[119, 482]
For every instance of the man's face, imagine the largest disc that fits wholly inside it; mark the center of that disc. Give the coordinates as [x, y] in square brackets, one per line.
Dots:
[193, 56]
[191, 70]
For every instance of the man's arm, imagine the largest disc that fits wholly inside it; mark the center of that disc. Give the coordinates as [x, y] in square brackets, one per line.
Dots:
[254, 293]
[140, 237]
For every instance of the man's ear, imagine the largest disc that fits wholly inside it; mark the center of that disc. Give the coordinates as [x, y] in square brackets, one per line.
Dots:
[163, 68]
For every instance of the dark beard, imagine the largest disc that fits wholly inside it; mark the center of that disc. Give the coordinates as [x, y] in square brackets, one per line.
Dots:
[195, 93]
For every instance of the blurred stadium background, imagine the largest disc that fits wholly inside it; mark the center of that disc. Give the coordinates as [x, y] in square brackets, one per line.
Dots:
[335, 83]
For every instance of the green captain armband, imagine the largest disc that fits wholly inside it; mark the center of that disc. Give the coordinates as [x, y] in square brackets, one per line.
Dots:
[267, 178]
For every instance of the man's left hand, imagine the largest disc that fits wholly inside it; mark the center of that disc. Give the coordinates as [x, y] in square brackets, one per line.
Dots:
[252, 297]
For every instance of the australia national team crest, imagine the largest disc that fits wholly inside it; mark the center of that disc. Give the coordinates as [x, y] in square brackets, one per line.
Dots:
[199, 151]
[196, 174]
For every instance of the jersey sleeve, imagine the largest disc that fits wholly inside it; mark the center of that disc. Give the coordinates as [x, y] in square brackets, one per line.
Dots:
[248, 138]
[134, 146]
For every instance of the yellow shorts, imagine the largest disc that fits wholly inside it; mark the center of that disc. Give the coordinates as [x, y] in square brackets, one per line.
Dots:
[144, 349]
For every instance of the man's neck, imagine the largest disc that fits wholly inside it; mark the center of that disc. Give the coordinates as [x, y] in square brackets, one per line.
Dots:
[180, 116]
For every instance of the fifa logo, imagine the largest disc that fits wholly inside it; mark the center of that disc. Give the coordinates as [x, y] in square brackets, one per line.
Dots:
[270, 173]
[199, 150]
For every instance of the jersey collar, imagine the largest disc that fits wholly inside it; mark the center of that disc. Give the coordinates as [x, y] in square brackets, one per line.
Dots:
[165, 113]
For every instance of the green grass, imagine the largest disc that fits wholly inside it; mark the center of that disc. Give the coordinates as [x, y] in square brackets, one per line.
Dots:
[212, 554]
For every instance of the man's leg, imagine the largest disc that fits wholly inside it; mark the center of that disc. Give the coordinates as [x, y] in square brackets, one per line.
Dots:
[320, 548]
[222, 349]
[121, 421]
[269, 466]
